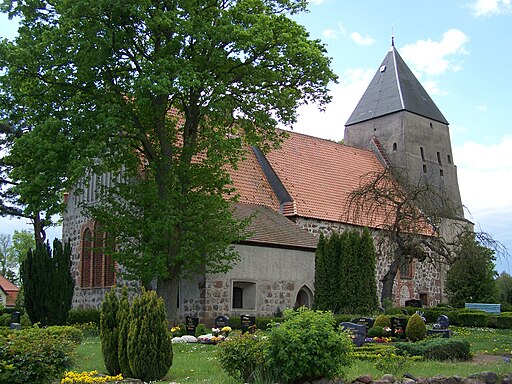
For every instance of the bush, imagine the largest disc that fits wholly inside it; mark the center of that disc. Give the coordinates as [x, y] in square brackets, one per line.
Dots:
[36, 356]
[504, 321]
[149, 342]
[69, 333]
[5, 320]
[437, 349]
[109, 330]
[416, 328]
[201, 330]
[84, 316]
[382, 321]
[242, 357]
[377, 331]
[307, 346]
[472, 319]
[123, 321]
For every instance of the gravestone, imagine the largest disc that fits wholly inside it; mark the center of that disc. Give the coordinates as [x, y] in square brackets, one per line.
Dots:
[441, 328]
[248, 323]
[366, 321]
[191, 325]
[398, 325]
[415, 303]
[357, 332]
[15, 320]
[221, 321]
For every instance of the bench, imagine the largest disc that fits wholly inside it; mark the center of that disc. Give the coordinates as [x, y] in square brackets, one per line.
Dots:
[495, 309]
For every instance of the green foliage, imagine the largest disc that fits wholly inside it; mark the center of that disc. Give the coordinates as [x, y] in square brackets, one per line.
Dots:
[36, 356]
[307, 346]
[109, 332]
[390, 362]
[416, 328]
[472, 319]
[504, 321]
[201, 330]
[345, 273]
[47, 283]
[8, 262]
[377, 331]
[437, 349]
[123, 324]
[242, 357]
[149, 342]
[383, 321]
[84, 316]
[470, 278]
[504, 286]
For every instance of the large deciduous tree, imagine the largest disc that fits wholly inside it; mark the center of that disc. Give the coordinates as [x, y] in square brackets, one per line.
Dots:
[166, 93]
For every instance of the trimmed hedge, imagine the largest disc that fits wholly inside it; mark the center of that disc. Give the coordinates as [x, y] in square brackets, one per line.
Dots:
[437, 349]
[84, 316]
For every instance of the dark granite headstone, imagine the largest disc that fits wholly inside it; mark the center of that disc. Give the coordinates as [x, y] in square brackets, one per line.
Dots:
[221, 321]
[443, 321]
[248, 323]
[367, 321]
[398, 325]
[191, 325]
[413, 303]
[16, 317]
[357, 332]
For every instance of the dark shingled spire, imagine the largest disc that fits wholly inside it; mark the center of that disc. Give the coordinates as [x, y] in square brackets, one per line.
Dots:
[394, 88]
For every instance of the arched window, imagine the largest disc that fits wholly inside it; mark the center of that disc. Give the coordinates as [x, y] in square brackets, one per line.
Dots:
[97, 268]
[304, 297]
[85, 279]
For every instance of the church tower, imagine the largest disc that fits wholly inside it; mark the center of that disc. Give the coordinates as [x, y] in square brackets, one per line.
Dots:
[398, 120]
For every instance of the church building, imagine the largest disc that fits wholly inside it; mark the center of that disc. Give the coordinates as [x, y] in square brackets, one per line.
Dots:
[295, 193]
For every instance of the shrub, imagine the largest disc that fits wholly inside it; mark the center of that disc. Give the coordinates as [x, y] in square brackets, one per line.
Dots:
[201, 330]
[84, 316]
[472, 319]
[437, 349]
[72, 334]
[36, 356]
[149, 342]
[504, 321]
[306, 347]
[109, 332]
[123, 321]
[416, 328]
[5, 320]
[377, 331]
[382, 321]
[242, 357]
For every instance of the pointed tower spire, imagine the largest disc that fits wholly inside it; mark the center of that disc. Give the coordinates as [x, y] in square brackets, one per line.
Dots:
[395, 88]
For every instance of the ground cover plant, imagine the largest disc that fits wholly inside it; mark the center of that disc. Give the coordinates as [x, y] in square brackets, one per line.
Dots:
[199, 363]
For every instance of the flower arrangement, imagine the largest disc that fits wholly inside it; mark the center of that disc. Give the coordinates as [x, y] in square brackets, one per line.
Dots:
[91, 377]
[225, 330]
[377, 340]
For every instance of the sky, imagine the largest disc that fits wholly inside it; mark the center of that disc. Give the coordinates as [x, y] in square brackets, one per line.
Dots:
[460, 52]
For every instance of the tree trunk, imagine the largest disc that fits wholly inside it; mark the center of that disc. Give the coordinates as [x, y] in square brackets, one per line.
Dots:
[39, 233]
[389, 279]
[167, 289]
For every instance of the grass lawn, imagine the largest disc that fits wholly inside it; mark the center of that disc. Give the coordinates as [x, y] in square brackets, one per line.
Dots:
[197, 363]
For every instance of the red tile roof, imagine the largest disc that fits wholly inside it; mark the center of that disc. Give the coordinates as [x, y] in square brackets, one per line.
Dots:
[10, 289]
[318, 174]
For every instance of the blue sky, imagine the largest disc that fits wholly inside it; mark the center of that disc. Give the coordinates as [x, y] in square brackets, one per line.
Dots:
[458, 49]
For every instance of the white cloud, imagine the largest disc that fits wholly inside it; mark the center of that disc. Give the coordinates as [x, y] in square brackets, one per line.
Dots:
[362, 40]
[482, 108]
[342, 29]
[317, 2]
[434, 57]
[345, 95]
[330, 34]
[432, 88]
[490, 7]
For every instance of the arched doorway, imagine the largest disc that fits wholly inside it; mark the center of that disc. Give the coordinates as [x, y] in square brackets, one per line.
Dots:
[304, 298]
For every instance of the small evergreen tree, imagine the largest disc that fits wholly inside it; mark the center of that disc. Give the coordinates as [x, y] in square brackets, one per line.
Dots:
[149, 343]
[47, 283]
[109, 332]
[416, 328]
[123, 324]
[470, 278]
[322, 288]
[369, 301]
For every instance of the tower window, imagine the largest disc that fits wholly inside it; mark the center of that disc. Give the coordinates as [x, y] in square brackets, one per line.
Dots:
[449, 159]
[431, 126]
[394, 146]
[441, 173]
[424, 168]
[439, 158]
[422, 151]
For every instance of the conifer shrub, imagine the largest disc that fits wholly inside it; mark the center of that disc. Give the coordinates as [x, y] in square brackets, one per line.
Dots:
[438, 348]
[416, 328]
[382, 321]
[123, 324]
[306, 347]
[84, 316]
[149, 342]
[109, 332]
[377, 331]
[201, 330]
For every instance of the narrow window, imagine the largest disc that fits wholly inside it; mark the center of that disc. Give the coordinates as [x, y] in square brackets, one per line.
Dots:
[422, 153]
[394, 146]
[85, 278]
[449, 159]
[406, 270]
[97, 257]
[238, 297]
[424, 168]
[441, 173]
[439, 158]
[243, 295]
[431, 126]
